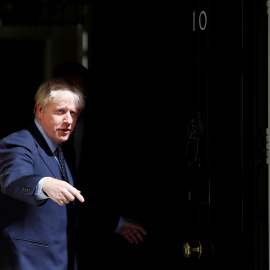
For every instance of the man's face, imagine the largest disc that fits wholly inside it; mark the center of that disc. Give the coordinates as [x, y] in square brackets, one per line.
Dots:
[58, 119]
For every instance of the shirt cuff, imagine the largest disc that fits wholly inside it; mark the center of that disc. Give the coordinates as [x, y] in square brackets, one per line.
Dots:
[39, 194]
[120, 224]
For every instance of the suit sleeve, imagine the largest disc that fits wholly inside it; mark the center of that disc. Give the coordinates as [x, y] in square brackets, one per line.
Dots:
[18, 178]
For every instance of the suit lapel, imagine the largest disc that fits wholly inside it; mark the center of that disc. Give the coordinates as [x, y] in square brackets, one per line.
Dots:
[50, 162]
[44, 151]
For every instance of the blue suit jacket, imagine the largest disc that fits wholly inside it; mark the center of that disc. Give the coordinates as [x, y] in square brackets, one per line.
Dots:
[34, 234]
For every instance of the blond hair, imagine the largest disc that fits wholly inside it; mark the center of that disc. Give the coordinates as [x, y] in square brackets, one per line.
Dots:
[49, 92]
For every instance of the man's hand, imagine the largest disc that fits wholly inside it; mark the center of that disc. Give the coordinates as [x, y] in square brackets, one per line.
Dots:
[60, 191]
[132, 231]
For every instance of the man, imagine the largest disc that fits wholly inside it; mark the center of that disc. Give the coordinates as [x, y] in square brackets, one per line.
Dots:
[81, 150]
[37, 207]
[91, 144]
[38, 198]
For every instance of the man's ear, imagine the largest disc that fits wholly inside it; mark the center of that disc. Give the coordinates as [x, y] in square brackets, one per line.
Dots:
[39, 109]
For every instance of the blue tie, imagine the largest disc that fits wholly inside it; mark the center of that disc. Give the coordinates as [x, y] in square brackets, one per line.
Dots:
[61, 159]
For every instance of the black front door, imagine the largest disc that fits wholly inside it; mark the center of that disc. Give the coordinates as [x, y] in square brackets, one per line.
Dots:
[188, 118]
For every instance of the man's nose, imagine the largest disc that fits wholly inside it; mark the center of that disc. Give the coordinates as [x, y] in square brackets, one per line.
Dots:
[68, 118]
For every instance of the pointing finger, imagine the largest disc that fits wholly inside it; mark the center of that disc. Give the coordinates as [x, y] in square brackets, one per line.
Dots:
[76, 193]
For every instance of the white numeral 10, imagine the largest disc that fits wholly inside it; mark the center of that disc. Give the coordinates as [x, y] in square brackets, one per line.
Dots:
[202, 20]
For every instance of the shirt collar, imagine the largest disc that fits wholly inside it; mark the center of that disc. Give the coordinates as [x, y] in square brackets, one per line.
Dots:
[52, 145]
